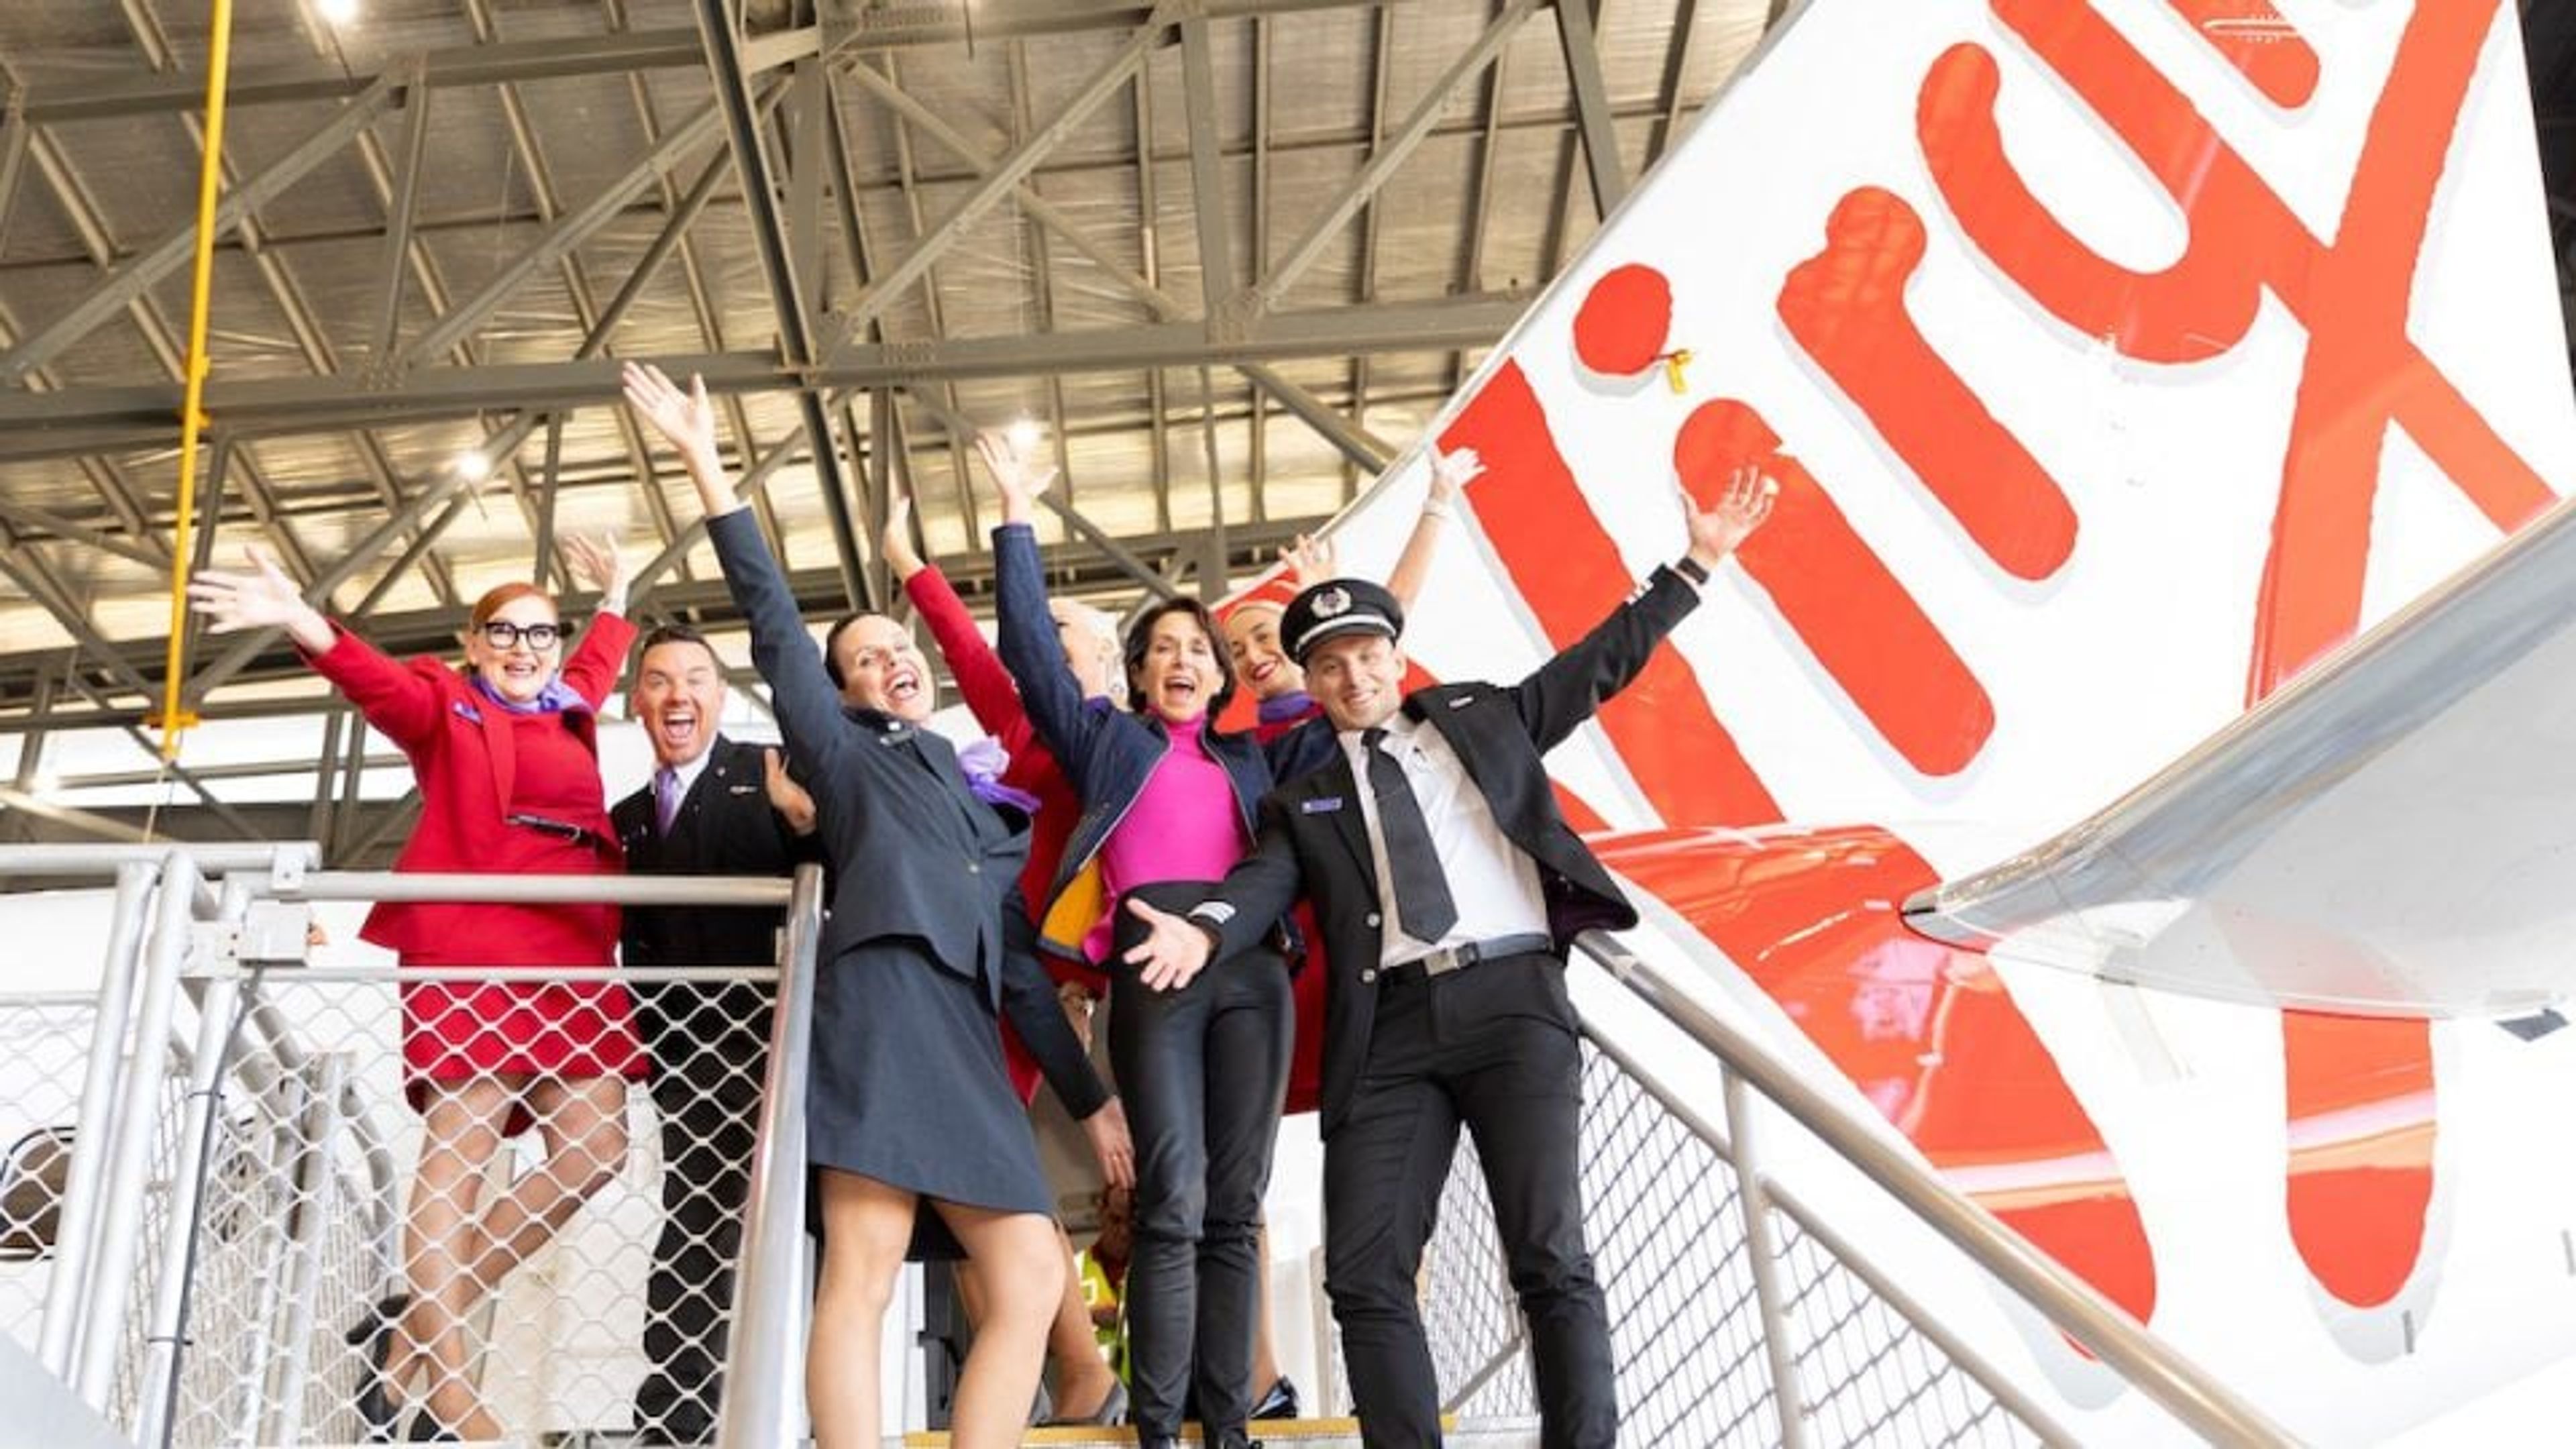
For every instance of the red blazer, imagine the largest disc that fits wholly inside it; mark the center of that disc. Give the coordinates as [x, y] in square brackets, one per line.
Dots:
[462, 754]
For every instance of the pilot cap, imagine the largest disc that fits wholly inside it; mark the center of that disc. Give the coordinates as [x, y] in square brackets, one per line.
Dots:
[1337, 607]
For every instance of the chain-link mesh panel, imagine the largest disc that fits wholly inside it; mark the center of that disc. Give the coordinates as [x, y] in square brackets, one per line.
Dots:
[547, 1285]
[1667, 1230]
[44, 1051]
[1869, 1376]
[1666, 1220]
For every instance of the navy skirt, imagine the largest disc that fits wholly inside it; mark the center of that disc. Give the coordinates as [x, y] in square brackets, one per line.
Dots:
[908, 1089]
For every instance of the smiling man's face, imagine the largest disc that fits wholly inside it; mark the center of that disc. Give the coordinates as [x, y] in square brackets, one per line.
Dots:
[679, 695]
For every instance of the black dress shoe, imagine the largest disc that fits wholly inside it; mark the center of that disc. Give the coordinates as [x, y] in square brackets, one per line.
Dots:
[1279, 1403]
[375, 1332]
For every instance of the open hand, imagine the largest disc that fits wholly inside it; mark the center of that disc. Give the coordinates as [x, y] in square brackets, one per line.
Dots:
[264, 598]
[1311, 558]
[788, 798]
[1174, 952]
[1018, 477]
[686, 420]
[594, 560]
[1715, 532]
[1451, 472]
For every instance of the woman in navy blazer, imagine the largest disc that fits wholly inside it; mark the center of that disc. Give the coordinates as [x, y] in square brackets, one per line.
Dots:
[506, 756]
[919, 1144]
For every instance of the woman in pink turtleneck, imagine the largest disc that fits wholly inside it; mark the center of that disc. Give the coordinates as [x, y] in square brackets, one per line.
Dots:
[1168, 807]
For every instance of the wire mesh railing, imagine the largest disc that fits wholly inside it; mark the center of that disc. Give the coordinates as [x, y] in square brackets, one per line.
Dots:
[1740, 1314]
[291, 1172]
[553, 1167]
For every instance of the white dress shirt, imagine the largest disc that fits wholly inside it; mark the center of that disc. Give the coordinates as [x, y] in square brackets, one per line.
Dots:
[1493, 882]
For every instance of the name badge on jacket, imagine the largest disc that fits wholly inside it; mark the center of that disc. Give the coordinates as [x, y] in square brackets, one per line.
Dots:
[1325, 806]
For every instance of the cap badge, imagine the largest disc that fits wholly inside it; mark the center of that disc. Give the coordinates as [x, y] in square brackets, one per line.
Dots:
[1332, 603]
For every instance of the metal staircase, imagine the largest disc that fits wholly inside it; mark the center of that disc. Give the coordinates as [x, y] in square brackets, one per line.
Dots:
[234, 1197]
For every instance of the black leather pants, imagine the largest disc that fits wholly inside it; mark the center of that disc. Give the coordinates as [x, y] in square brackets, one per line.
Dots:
[1202, 1070]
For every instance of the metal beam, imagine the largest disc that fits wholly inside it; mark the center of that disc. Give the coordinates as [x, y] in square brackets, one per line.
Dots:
[1393, 154]
[108, 419]
[37, 807]
[13, 159]
[1668, 89]
[1003, 178]
[461, 66]
[407, 170]
[129, 282]
[1575, 37]
[28, 516]
[560, 239]
[1207, 169]
[1227, 322]
[729, 72]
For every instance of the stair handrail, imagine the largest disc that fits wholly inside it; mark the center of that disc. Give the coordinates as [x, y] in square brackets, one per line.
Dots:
[767, 1346]
[2076, 1308]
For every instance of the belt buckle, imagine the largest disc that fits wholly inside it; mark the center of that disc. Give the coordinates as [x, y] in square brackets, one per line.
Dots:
[1445, 960]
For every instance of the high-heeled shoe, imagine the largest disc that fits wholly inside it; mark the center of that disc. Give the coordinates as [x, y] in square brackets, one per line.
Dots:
[427, 1428]
[1279, 1403]
[1112, 1410]
[377, 1410]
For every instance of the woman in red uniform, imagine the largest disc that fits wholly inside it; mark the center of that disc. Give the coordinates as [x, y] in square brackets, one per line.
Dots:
[505, 753]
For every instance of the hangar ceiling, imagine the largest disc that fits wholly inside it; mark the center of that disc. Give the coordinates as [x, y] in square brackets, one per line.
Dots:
[1230, 254]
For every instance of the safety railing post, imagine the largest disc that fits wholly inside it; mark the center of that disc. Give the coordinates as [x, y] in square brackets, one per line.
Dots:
[1762, 1252]
[769, 1302]
[126, 1179]
[93, 1139]
[2201, 1402]
[162, 1342]
[317, 1128]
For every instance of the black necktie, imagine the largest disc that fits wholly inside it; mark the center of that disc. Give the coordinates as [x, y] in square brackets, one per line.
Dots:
[1421, 888]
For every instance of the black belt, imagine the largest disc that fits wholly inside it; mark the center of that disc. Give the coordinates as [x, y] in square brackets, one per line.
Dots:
[578, 835]
[1460, 957]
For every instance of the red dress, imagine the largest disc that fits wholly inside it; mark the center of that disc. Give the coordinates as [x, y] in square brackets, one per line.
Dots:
[1306, 991]
[477, 764]
[995, 702]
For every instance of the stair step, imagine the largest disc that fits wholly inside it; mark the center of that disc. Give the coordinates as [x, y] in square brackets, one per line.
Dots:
[1494, 1433]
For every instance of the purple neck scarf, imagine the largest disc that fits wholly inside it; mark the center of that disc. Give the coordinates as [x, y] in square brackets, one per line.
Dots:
[1287, 708]
[984, 761]
[555, 698]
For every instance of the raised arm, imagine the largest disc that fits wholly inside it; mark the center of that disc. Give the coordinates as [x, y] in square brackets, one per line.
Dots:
[985, 684]
[1049, 692]
[808, 707]
[1450, 475]
[399, 701]
[591, 670]
[1564, 692]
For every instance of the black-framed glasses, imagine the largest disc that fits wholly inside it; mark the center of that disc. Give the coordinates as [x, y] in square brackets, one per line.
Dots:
[502, 634]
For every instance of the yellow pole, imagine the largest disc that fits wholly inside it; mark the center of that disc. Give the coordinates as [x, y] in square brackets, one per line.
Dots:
[219, 54]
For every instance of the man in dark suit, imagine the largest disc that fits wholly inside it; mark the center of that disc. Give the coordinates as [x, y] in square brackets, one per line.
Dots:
[713, 807]
[1446, 888]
